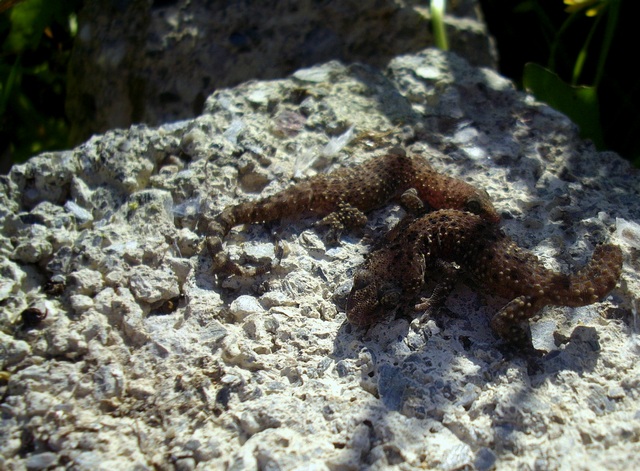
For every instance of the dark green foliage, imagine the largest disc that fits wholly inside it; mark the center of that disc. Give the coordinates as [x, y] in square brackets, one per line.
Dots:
[36, 40]
[580, 103]
[583, 65]
[587, 74]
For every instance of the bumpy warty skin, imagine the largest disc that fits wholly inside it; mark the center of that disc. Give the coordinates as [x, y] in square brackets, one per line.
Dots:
[343, 196]
[448, 244]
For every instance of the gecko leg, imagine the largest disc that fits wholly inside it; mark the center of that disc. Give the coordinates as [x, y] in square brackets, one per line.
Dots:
[413, 205]
[346, 217]
[511, 322]
[448, 274]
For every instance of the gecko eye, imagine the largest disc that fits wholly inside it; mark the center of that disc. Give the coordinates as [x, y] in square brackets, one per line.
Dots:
[473, 206]
[362, 279]
[390, 299]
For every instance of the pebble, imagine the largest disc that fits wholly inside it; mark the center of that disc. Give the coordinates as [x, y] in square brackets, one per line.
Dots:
[152, 285]
[87, 281]
[84, 218]
[13, 350]
[315, 74]
[41, 460]
[245, 305]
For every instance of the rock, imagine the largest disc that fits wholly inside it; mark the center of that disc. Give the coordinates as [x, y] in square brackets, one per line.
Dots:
[11, 279]
[33, 246]
[245, 305]
[41, 460]
[147, 359]
[14, 350]
[80, 303]
[162, 60]
[151, 286]
[188, 242]
[83, 217]
[87, 282]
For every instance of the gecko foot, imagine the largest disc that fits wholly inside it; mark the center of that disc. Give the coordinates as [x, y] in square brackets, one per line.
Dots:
[346, 217]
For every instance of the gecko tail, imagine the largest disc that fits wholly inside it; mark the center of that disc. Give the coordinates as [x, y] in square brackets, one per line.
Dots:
[593, 282]
[243, 213]
[286, 203]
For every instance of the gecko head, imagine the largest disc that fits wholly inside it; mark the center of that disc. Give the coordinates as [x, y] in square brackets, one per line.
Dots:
[371, 298]
[477, 201]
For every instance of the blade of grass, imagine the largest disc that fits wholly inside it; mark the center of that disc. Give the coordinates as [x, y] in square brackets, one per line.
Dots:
[437, 20]
[584, 51]
[557, 41]
[613, 11]
[8, 87]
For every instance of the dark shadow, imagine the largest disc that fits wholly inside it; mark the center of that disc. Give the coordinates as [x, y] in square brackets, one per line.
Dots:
[427, 374]
[235, 42]
[459, 357]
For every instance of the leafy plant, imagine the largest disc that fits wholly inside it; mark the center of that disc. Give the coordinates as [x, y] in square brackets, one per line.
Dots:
[575, 57]
[579, 102]
[36, 40]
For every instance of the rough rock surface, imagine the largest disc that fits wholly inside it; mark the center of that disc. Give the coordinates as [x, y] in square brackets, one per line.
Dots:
[143, 61]
[144, 361]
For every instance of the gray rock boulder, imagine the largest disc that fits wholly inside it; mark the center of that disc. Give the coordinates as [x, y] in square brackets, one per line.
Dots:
[144, 361]
[150, 62]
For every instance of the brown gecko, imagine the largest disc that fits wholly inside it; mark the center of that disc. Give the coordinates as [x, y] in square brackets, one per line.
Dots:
[343, 196]
[447, 244]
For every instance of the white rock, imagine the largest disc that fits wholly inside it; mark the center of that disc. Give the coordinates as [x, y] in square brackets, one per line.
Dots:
[41, 460]
[246, 370]
[244, 306]
[88, 282]
[151, 285]
[80, 303]
[13, 350]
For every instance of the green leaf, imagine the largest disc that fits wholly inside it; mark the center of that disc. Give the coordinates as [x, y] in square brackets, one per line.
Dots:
[28, 20]
[9, 77]
[580, 103]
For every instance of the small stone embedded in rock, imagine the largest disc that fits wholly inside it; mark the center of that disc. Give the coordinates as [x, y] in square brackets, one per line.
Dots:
[116, 278]
[260, 252]
[83, 217]
[629, 232]
[485, 459]
[151, 205]
[11, 278]
[259, 96]
[33, 248]
[277, 298]
[14, 351]
[428, 72]
[181, 267]
[80, 303]
[41, 460]
[188, 242]
[319, 73]
[245, 305]
[153, 285]
[87, 281]
[391, 386]
[110, 382]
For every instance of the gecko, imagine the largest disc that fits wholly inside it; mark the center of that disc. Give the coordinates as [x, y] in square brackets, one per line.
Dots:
[447, 245]
[341, 198]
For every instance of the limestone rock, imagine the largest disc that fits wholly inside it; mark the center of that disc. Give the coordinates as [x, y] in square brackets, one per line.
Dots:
[156, 62]
[148, 361]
